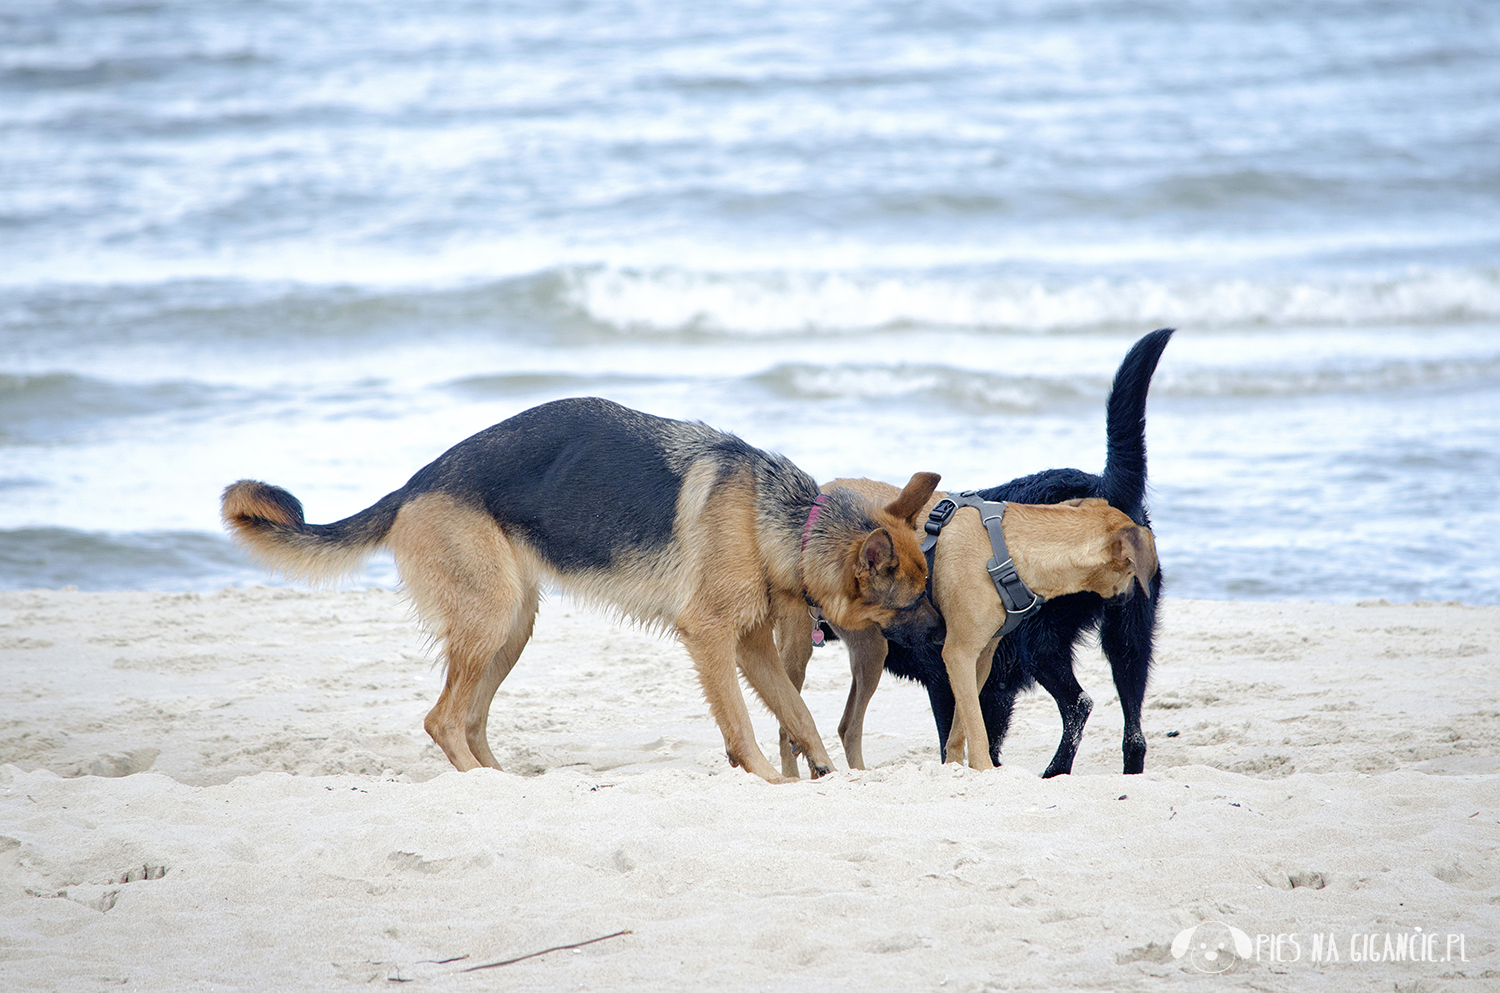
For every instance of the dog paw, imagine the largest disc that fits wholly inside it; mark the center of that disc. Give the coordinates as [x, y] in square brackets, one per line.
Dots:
[819, 771]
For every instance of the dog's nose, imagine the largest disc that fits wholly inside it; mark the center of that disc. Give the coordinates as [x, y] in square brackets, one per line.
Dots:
[937, 628]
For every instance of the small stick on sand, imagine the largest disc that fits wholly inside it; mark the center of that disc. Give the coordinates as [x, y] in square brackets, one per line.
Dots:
[544, 951]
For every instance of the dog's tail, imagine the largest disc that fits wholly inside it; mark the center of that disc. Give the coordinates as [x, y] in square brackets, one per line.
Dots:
[267, 522]
[1125, 423]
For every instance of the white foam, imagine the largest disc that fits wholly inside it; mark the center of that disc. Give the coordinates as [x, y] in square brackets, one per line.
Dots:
[675, 299]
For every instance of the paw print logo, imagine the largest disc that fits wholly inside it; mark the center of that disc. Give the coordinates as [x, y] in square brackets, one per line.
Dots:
[1212, 946]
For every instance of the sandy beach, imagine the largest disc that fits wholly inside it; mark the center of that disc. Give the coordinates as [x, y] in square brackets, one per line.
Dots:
[234, 792]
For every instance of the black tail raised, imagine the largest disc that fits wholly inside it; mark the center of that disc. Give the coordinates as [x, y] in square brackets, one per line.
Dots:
[1125, 424]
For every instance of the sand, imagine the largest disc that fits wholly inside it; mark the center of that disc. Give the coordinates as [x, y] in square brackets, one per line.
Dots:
[234, 792]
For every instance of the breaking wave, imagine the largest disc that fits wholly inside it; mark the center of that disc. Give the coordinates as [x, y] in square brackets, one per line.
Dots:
[678, 300]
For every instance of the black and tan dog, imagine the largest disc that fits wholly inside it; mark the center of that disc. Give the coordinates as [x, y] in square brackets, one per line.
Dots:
[671, 523]
[1040, 650]
[1077, 546]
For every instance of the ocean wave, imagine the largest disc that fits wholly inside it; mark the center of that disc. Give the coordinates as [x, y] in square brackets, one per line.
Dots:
[964, 391]
[508, 385]
[1358, 378]
[974, 392]
[275, 312]
[678, 300]
[594, 304]
[111, 72]
[168, 561]
[96, 560]
[50, 407]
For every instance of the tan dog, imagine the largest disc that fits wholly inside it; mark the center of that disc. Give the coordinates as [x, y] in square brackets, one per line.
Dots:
[671, 523]
[1070, 547]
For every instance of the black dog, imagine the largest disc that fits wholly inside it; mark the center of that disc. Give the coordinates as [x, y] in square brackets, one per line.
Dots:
[1041, 649]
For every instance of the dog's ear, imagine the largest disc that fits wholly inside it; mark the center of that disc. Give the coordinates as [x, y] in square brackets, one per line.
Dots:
[911, 500]
[878, 554]
[1136, 547]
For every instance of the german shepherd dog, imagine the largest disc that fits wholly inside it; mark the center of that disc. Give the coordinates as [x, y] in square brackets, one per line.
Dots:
[671, 523]
[1041, 649]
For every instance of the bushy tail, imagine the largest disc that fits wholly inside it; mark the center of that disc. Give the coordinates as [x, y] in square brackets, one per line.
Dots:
[267, 522]
[1125, 423]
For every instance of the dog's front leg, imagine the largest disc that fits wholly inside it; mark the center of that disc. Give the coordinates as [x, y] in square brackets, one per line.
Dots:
[794, 627]
[963, 593]
[867, 651]
[964, 660]
[713, 650]
[764, 670]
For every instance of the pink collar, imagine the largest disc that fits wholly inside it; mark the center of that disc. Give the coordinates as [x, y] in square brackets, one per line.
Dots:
[812, 518]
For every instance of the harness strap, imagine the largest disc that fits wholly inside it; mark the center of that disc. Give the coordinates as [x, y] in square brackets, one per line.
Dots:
[1018, 600]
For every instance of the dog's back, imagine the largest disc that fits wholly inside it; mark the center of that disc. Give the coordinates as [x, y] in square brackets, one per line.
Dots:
[593, 495]
[581, 480]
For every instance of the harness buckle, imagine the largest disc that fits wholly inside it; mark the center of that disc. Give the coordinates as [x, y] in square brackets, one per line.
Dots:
[1012, 589]
[939, 516]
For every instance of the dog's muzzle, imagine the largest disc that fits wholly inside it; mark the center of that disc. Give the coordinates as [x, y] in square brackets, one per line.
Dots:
[917, 625]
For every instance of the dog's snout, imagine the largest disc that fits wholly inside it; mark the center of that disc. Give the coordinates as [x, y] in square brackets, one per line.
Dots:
[918, 624]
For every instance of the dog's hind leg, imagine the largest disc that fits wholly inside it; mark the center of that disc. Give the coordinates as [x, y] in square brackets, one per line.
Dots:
[764, 671]
[476, 734]
[1046, 650]
[1126, 635]
[457, 721]
[1074, 706]
[867, 651]
[468, 583]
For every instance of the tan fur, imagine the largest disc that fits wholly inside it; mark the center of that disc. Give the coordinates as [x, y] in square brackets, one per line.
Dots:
[284, 549]
[1079, 545]
[720, 584]
[872, 579]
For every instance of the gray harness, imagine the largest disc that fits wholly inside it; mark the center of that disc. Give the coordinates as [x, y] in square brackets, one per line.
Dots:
[1020, 603]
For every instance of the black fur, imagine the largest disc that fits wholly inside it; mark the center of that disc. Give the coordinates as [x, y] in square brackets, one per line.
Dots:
[1041, 649]
[581, 479]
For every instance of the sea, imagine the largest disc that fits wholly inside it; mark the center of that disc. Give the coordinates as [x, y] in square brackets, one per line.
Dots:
[317, 242]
